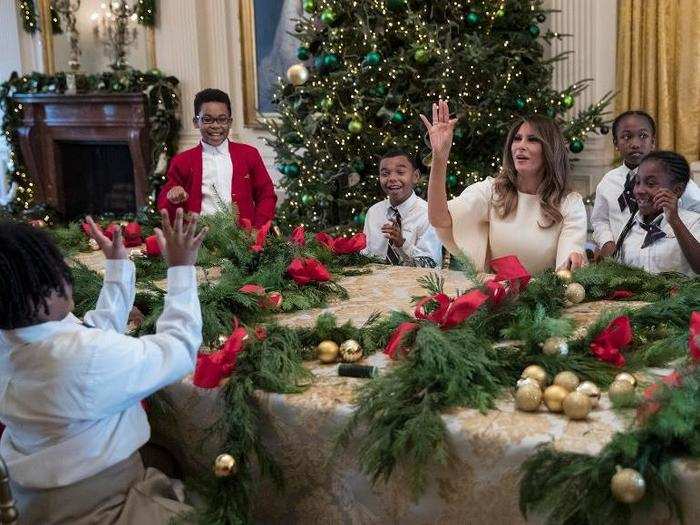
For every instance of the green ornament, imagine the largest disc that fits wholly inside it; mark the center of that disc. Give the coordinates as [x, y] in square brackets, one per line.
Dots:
[452, 180]
[398, 117]
[303, 53]
[155, 72]
[473, 18]
[459, 133]
[534, 31]
[355, 126]
[326, 103]
[381, 89]
[576, 146]
[551, 112]
[372, 58]
[292, 169]
[328, 16]
[396, 5]
[309, 6]
[519, 103]
[501, 13]
[568, 101]
[330, 60]
[421, 55]
[281, 167]
[306, 199]
[359, 218]
[358, 165]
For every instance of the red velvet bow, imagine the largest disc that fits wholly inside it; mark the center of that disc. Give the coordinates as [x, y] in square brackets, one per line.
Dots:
[607, 345]
[620, 295]
[298, 236]
[111, 230]
[342, 245]
[694, 336]
[508, 270]
[252, 289]
[261, 237]
[450, 312]
[305, 271]
[132, 235]
[397, 337]
[651, 406]
[245, 224]
[152, 247]
[272, 300]
[212, 368]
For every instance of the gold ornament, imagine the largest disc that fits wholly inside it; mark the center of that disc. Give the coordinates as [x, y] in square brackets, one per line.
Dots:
[555, 346]
[537, 373]
[298, 74]
[554, 396]
[575, 293]
[567, 380]
[528, 381]
[224, 465]
[565, 275]
[327, 351]
[625, 376]
[591, 390]
[576, 405]
[93, 245]
[350, 351]
[627, 485]
[621, 392]
[528, 398]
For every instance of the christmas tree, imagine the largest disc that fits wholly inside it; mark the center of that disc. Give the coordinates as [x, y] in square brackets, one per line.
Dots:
[370, 67]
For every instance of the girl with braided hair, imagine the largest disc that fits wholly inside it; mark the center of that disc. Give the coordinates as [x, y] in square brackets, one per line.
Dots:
[660, 236]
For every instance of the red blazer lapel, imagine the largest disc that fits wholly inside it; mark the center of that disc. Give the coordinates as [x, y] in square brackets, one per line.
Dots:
[196, 170]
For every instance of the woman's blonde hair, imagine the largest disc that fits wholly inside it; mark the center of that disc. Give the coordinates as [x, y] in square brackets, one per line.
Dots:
[555, 182]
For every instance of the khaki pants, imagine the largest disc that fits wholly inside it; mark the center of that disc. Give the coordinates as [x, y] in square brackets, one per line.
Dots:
[124, 494]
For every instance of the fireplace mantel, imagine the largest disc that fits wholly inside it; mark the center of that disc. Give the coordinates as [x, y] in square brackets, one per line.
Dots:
[91, 118]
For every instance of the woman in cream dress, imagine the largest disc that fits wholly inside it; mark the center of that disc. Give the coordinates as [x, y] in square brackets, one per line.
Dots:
[527, 210]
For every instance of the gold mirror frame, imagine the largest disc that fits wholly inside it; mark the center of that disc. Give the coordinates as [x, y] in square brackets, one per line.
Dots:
[250, 71]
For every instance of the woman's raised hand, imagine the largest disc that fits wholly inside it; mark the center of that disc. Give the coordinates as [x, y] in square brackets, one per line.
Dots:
[441, 130]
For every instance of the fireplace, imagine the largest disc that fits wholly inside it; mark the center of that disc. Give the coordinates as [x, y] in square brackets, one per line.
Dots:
[87, 153]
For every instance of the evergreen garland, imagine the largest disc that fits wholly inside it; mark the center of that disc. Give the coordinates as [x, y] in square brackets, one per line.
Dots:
[146, 10]
[27, 13]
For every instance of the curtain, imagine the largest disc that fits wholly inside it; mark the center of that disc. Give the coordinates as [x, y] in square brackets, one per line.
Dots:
[658, 68]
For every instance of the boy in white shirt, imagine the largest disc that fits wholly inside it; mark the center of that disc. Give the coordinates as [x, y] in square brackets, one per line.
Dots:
[634, 136]
[660, 237]
[397, 228]
[70, 392]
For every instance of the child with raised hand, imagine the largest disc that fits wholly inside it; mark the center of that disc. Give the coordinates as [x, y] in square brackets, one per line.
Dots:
[634, 136]
[70, 391]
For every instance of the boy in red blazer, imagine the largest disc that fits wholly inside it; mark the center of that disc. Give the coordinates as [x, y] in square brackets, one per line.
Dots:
[218, 169]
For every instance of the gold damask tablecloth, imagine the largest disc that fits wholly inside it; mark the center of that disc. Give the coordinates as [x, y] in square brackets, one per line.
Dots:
[478, 485]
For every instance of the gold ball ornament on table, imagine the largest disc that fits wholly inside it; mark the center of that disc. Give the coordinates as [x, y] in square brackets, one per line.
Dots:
[555, 346]
[537, 373]
[565, 275]
[576, 405]
[591, 390]
[297, 74]
[554, 397]
[528, 398]
[327, 351]
[567, 380]
[350, 351]
[626, 376]
[627, 485]
[575, 293]
[621, 392]
[528, 381]
[224, 465]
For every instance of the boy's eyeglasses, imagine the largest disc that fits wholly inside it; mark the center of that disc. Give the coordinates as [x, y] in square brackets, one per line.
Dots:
[222, 121]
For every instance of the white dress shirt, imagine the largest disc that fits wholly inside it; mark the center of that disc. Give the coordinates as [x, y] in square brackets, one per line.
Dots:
[663, 255]
[69, 393]
[480, 234]
[217, 173]
[607, 219]
[420, 239]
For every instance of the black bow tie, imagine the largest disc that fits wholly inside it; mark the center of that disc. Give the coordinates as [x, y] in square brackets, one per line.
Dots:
[626, 198]
[654, 233]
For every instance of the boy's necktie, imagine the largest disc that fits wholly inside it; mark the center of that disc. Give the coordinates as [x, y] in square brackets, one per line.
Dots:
[626, 198]
[392, 254]
[654, 233]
